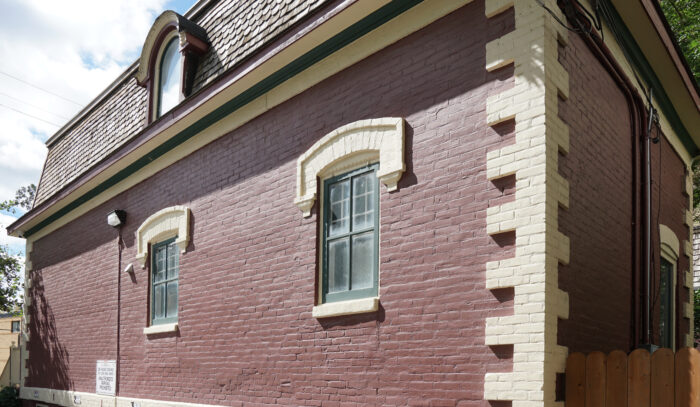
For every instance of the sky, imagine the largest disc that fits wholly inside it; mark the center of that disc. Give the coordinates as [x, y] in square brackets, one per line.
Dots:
[55, 57]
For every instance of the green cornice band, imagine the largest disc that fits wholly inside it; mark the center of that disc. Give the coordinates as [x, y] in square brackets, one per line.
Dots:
[295, 67]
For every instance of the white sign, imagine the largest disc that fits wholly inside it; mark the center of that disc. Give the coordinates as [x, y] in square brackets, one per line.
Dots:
[106, 377]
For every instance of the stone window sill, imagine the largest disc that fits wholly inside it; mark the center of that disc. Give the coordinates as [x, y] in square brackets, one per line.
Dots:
[160, 329]
[334, 309]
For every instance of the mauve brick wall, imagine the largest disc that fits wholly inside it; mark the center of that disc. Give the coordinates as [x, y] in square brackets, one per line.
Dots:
[247, 281]
[599, 220]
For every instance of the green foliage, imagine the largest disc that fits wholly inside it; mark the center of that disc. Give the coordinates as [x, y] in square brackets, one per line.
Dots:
[9, 281]
[684, 18]
[9, 397]
[24, 198]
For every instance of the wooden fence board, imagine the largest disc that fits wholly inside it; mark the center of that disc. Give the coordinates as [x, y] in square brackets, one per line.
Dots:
[616, 379]
[595, 379]
[639, 378]
[576, 380]
[687, 378]
[662, 378]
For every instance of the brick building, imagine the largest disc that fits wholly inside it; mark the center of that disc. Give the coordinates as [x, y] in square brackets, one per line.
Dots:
[364, 203]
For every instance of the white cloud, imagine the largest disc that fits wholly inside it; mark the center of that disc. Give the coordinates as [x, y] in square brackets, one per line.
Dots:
[14, 244]
[74, 48]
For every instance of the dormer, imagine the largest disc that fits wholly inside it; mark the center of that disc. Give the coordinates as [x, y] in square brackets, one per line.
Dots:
[168, 61]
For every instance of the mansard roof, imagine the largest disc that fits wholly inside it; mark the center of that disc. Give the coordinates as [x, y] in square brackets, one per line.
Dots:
[235, 30]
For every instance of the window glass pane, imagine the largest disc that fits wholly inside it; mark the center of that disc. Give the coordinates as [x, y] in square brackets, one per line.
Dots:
[338, 265]
[339, 207]
[159, 269]
[171, 310]
[363, 261]
[363, 201]
[173, 260]
[169, 88]
[665, 305]
[158, 297]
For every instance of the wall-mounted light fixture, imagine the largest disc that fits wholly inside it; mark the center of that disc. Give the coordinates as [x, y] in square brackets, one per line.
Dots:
[116, 218]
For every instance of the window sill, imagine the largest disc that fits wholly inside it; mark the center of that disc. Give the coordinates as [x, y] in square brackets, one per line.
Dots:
[160, 329]
[334, 309]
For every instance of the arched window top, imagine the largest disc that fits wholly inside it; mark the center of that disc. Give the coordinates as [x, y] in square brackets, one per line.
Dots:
[172, 222]
[670, 245]
[169, 78]
[350, 146]
[162, 69]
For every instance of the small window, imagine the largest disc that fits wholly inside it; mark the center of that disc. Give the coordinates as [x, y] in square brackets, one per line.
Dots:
[350, 236]
[666, 304]
[15, 326]
[164, 282]
[170, 78]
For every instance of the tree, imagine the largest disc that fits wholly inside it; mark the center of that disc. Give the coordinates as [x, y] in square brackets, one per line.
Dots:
[9, 281]
[24, 198]
[684, 18]
[10, 265]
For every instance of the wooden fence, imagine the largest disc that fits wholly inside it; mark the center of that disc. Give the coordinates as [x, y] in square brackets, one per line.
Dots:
[638, 380]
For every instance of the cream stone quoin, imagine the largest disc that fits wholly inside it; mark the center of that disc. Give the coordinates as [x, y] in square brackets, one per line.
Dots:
[164, 224]
[351, 146]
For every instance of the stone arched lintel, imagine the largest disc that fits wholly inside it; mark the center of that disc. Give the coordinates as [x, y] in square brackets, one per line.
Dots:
[368, 140]
[164, 224]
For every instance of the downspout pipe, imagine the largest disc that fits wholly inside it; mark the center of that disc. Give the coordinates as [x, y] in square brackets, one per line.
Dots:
[641, 207]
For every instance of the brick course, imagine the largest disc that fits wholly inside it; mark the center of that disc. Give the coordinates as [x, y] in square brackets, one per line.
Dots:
[247, 281]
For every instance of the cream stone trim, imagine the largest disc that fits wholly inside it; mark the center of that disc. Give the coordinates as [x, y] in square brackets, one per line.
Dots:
[334, 309]
[371, 140]
[670, 246]
[687, 249]
[401, 26]
[66, 398]
[160, 329]
[540, 136]
[164, 224]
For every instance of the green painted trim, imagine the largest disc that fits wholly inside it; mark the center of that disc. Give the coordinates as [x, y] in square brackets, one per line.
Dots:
[641, 64]
[295, 67]
[350, 294]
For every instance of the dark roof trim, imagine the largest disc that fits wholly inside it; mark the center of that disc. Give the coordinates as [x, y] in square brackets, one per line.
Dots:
[641, 64]
[193, 13]
[330, 46]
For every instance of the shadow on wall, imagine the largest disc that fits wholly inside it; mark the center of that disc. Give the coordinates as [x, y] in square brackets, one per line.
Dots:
[48, 367]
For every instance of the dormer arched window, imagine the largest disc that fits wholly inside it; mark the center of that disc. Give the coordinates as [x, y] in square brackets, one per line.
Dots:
[169, 60]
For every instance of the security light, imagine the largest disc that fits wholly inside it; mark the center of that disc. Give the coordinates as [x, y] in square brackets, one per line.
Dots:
[116, 218]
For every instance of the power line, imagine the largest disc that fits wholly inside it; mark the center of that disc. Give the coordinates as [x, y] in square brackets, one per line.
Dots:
[41, 89]
[29, 115]
[34, 106]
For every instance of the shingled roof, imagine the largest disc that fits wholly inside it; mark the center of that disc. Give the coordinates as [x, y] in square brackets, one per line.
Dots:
[235, 28]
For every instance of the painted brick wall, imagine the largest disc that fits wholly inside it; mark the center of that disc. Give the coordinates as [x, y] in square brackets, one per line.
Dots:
[599, 220]
[247, 281]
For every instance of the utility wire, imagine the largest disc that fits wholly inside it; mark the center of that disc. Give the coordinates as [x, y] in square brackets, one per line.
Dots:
[29, 115]
[34, 106]
[41, 89]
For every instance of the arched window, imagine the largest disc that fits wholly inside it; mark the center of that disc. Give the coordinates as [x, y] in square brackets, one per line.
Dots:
[170, 78]
[168, 62]
[350, 162]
